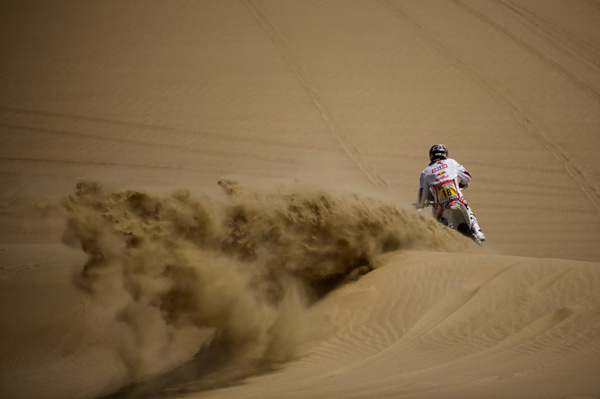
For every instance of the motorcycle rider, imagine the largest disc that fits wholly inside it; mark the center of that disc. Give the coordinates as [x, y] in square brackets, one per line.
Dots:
[442, 180]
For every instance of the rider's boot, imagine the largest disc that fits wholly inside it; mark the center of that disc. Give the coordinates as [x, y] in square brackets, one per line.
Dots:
[477, 231]
[475, 226]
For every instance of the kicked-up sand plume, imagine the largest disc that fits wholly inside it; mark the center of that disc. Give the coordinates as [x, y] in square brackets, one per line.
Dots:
[126, 271]
[232, 277]
[198, 293]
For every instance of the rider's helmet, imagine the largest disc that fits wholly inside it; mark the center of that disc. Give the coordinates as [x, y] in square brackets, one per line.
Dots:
[438, 151]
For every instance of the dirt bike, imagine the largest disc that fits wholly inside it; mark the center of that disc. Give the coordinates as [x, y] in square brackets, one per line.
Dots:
[456, 217]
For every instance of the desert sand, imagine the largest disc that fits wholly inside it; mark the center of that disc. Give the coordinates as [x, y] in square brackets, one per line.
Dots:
[212, 199]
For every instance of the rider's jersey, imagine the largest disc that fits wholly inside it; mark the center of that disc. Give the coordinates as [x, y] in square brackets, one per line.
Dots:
[442, 178]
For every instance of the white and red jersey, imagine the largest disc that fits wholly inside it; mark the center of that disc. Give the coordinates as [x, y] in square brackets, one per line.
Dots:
[443, 179]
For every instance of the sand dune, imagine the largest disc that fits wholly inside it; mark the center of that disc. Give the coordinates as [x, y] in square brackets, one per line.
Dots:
[493, 327]
[126, 270]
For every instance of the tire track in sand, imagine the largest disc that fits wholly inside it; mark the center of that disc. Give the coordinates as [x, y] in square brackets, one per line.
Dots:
[527, 123]
[532, 50]
[96, 163]
[63, 115]
[333, 126]
[109, 125]
[559, 36]
[191, 149]
[594, 3]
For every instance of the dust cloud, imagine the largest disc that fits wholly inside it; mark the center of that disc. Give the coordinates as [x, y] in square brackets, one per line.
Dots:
[241, 270]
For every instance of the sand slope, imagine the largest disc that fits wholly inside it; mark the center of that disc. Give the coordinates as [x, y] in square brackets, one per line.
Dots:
[323, 111]
[429, 325]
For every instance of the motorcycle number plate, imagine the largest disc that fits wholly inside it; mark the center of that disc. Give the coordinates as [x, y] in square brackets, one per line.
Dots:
[446, 191]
